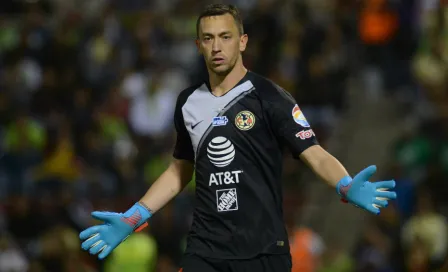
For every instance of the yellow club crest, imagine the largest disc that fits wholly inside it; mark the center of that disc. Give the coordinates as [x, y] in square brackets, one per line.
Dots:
[245, 120]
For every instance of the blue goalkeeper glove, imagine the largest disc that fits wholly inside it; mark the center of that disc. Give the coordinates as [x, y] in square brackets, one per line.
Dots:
[367, 195]
[103, 239]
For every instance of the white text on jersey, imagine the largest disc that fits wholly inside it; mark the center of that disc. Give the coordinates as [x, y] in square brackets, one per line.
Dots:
[228, 177]
[220, 121]
[305, 134]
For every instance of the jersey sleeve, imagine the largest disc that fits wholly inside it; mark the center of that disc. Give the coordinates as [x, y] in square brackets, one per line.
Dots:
[288, 122]
[183, 149]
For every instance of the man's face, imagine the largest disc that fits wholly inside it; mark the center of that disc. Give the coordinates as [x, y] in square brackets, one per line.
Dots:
[220, 43]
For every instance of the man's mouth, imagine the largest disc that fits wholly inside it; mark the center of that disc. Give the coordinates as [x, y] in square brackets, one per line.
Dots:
[218, 60]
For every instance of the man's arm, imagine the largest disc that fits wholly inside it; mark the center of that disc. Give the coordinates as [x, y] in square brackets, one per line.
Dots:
[102, 239]
[324, 165]
[168, 185]
[293, 131]
[359, 190]
[180, 171]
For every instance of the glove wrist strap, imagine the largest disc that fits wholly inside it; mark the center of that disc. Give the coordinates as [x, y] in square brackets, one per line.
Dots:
[146, 207]
[137, 216]
[343, 186]
[145, 213]
[148, 215]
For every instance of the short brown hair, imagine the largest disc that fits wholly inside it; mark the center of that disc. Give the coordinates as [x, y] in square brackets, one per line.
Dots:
[218, 10]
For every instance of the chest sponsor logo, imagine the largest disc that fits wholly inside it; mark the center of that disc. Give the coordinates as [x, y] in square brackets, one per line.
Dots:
[227, 200]
[220, 121]
[298, 116]
[225, 178]
[245, 120]
[305, 134]
[220, 151]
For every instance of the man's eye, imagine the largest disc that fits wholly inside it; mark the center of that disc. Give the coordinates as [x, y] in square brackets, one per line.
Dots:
[226, 37]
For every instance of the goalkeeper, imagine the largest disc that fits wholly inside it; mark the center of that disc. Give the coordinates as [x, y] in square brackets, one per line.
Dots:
[231, 130]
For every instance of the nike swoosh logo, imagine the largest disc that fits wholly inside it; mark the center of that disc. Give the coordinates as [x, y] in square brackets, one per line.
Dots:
[193, 126]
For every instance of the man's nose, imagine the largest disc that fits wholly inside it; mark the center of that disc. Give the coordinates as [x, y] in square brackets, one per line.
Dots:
[216, 47]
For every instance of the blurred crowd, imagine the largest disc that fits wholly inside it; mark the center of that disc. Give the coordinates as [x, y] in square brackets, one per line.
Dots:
[87, 93]
[412, 234]
[410, 65]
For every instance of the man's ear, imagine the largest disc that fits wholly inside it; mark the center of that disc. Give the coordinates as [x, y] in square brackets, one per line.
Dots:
[243, 42]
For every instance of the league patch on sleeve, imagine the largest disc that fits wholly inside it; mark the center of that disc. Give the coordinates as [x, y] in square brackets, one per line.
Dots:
[299, 117]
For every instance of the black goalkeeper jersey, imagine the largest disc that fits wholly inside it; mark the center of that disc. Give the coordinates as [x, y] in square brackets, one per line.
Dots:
[236, 142]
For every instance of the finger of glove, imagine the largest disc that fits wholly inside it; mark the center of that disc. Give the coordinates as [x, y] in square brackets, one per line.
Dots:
[91, 241]
[385, 194]
[381, 203]
[90, 232]
[365, 174]
[105, 252]
[104, 216]
[388, 184]
[373, 210]
[96, 248]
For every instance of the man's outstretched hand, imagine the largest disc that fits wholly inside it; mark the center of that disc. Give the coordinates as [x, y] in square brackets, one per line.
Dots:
[103, 239]
[362, 193]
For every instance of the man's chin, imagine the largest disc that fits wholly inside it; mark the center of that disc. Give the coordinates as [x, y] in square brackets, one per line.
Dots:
[221, 70]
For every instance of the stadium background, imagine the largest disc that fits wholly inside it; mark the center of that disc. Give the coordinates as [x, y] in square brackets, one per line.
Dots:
[86, 103]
